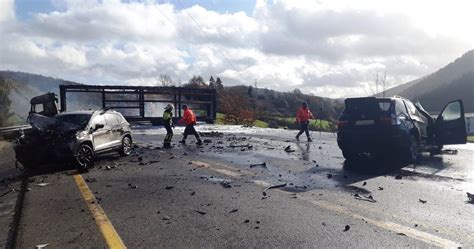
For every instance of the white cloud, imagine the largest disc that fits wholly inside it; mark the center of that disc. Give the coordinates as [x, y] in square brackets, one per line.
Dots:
[330, 48]
[7, 10]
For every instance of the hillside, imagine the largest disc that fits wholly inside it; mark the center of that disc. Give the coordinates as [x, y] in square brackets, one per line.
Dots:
[26, 85]
[453, 81]
[267, 105]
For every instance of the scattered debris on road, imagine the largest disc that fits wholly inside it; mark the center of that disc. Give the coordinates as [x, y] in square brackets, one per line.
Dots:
[169, 187]
[41, 246]
[398, 177]
[329, 176]
[368, 198]
[380, 188]
[422, 201]
[365, 183]
[264, 165]
[166, 217]
[449, 152]
[226, 184]
[132, 186]
[233, 210]
[288, 149]
[91, 179]
[272, 187]
[200, 212]
[9, 191]
[470, 197]
[346, 228]
[42, 184]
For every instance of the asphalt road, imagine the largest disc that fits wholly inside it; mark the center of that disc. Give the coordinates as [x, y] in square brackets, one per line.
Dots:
[210, 197]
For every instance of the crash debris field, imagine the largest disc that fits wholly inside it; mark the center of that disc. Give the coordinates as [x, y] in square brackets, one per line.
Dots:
[244, 187]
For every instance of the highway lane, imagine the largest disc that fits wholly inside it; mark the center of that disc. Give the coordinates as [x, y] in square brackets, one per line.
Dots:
[209, 196]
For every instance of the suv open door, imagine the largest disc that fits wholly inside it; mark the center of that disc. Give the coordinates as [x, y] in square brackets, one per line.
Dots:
[450, 126]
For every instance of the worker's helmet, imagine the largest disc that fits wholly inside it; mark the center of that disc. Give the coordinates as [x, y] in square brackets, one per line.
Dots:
[185, 107]
[169, 107]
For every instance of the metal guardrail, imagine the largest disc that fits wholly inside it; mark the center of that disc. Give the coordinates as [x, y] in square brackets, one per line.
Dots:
[12, 131]
[14, 128]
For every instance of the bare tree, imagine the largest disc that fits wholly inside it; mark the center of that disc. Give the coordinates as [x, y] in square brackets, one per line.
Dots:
[165, 80]
[379, 86]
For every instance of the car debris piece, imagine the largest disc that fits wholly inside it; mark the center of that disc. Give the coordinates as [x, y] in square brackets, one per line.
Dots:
[288, 149]
[422, 201]
[398, 177]
[226, 184]
[258, 165]
[9, 191]
[91, 179]
[272, 187]
[233, 210]
[42, 184]
[449, 152]
[166, 217]
[368, 198]
[246, 221]
[132, 186]
[200, 212]
[346, 228]
[192, 193]
[380, 188]
[470, 197]
[365, 183]
[329, 176]
[40, 246]
[169, 187]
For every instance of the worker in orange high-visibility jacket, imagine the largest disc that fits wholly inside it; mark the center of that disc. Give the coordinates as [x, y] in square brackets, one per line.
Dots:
[189, 119]
[302, 117]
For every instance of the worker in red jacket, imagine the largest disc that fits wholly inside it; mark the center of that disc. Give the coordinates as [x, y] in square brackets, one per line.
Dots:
[189, 119]
[302, 117]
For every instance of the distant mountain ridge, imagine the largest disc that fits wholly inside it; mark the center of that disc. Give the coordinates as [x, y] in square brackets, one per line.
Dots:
[454, 81]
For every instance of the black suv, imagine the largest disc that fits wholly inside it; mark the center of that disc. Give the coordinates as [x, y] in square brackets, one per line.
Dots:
[78, 135]
[379, 126]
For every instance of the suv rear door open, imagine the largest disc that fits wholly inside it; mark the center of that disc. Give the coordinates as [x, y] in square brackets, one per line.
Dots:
[450, 126]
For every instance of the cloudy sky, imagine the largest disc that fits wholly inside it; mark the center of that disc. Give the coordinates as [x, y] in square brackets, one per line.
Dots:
[330, 48]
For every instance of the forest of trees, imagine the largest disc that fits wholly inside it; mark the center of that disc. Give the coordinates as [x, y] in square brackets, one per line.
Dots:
[5, 113]
[246, 104]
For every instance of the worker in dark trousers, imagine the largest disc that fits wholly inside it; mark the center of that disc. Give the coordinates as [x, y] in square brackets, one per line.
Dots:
[302, 117]
[168, 123]
[189, 119]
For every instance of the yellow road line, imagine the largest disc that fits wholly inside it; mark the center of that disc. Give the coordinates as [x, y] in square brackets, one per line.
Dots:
[387, 225]
[108, 231]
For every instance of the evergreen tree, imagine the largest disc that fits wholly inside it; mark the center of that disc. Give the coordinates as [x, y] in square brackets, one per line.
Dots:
[212, 83]
[219, 83]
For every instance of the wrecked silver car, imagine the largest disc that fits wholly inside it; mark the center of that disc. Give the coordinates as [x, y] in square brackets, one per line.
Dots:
[76, 136]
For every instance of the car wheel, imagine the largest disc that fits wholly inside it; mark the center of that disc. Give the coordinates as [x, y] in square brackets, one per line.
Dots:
[412, 150]
[84, 157]
[126, 148]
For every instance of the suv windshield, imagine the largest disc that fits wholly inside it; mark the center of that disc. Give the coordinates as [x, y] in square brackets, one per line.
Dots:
[80, 120]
